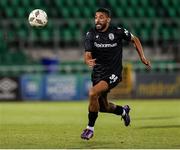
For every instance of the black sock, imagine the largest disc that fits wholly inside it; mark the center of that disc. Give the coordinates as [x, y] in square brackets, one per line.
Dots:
[92, 118]
[118, 110]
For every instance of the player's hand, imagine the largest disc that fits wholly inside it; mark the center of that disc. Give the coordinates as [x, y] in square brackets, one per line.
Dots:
[91, 63]
[146, 62]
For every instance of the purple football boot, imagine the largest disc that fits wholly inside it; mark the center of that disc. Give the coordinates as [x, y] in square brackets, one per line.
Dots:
[126, 117]
[87, 134]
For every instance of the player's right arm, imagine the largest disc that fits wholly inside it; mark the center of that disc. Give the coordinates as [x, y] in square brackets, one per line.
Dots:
[89, 60]
[88, 44]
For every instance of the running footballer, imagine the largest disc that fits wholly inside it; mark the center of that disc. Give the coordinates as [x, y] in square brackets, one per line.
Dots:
[103, 53]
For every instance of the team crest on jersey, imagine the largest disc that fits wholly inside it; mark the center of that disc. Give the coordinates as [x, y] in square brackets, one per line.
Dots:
[97, 36]
[111, 36]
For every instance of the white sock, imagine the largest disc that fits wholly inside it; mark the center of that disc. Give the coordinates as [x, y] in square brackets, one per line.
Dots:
[90, 128]
[124, 112]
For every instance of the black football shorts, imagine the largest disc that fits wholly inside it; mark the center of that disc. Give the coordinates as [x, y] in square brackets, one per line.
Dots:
[112, 79]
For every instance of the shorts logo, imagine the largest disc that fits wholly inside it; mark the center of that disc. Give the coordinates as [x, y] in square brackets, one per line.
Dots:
[113, 78]
[111, 36]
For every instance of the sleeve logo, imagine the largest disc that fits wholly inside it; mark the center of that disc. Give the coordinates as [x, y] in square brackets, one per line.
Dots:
[126, 32]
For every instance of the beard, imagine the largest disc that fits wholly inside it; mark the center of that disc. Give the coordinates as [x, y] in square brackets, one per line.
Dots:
[100, 27]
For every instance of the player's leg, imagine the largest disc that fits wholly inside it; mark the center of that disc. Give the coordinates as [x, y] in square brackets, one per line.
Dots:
[94, 93]
[109, 107]
[104, 105]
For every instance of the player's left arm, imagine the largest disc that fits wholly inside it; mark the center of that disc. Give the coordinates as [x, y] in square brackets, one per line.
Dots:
[135, 40]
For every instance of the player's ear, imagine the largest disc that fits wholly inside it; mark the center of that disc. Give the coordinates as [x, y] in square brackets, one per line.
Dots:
[109, 20]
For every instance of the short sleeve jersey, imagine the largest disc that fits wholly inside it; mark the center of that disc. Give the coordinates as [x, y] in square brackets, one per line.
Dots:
[106, 48]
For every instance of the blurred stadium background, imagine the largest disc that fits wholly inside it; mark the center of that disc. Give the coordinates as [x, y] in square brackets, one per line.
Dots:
[46, 64]
[30, 58]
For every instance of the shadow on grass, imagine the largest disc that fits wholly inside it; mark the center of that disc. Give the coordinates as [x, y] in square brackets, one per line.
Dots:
[156, 118]
[99, 144]
[156, 126]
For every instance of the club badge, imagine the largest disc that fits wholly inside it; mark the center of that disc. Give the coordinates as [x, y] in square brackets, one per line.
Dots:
[111, 36]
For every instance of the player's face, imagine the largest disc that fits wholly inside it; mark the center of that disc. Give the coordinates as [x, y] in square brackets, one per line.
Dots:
[101, 21]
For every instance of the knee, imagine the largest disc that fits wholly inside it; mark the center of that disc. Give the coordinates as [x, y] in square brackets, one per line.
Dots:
[92, 93]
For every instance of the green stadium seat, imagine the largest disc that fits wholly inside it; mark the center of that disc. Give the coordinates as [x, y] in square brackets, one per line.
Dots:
[9, 12]
[143, 13]
[150, 12]
[81, 3]
[175, 34]
[87, 13]
[175, 3]
[146, 31]
[140, 12]
[11, 35]
[72, 25]
[133, 3]
[1, 34]
[144, 3]
[164, 33]
[130, 12]
[69, 3]
[113, 3]
[18, 58]
[21, 12]
[4, 3]
[37, 3]
[45, 35]
[165, 3]
[21, 30]
[145, 34]
[91, 3]
[52, 13]
[76, 35]
[33, 35]
[86, 27]
[25, 3]
[172, 12]
[75, 12]
[119, 13]
[7, 59]
[122, 4]
[3, 46]
[65, 35]
[14, 3]
[22, 34]
[64, 12]
[59, 3]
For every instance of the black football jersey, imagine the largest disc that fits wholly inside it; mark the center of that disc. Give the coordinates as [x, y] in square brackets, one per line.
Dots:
[106, 48]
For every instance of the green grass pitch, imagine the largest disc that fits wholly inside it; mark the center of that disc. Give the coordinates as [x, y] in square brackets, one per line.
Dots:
[29, 125]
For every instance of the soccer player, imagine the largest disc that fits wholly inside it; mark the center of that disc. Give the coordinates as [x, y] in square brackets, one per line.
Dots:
[103, 53]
